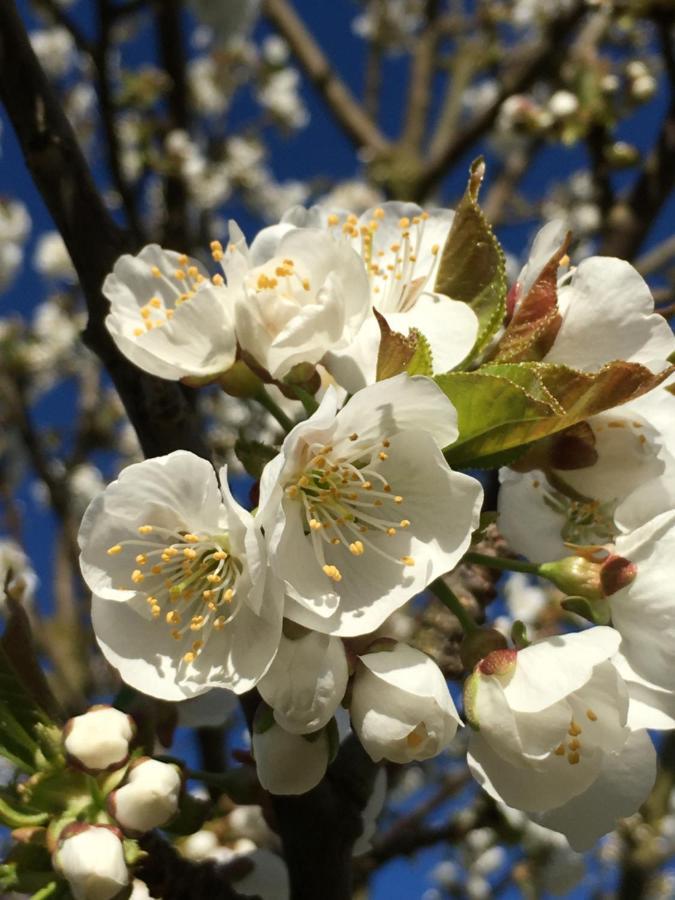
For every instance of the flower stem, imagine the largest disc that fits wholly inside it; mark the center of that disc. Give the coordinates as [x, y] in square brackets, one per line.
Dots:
[453, 603]
[274, 409]
[500, 562]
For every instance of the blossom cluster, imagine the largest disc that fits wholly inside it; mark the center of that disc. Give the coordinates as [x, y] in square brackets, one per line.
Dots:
[358, 511]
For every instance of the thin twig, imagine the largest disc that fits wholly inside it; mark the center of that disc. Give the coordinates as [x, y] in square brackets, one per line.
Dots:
[421, 77]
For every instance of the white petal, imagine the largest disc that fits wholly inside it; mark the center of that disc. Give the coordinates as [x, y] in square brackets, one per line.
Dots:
[530, 524]
[622, 787]
[289, 763]
[450, 327]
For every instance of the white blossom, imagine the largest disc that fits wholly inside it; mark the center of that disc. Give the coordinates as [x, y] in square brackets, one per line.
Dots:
[360, 510]
[91, 859]
[182, 600]
[401, 707]
[51, 257]
[168, 317]
[149, 796]
[99, 739]
[306, 682]
[55, 49]
[552, 737]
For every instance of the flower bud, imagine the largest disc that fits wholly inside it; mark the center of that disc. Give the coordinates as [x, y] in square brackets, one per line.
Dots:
[593, 580]
[401, 708]
[290, 763]
[149, 799]
[477, 644]
[98, 739]
[91, 859]
[563, 104]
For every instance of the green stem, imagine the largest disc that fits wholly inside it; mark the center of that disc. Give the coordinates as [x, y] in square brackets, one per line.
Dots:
[500, 562]
[307, 399]
[273, 409]
[449, 599]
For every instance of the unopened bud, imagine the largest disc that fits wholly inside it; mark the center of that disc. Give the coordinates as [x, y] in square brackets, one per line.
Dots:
[590, 578]
[149, 799]
[563, 104]
[240, 380]
[480, 643]
[91, 859]
[98, 739]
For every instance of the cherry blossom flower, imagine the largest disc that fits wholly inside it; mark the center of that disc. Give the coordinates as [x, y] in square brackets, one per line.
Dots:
[360, 509]
[551, 734]
[168, 317]
[182, 599]
[299, 294]
[289, 763]
[401, 707]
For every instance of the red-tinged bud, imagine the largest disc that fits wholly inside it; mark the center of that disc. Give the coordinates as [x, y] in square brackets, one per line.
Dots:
[616, 573]
[499, 662]
[480, 643]
[98, 740]
[91, 859]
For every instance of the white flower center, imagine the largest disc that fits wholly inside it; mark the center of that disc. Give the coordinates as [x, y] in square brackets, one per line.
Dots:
[396, 279]
[345, 498]
[280, 289]
[189, 580]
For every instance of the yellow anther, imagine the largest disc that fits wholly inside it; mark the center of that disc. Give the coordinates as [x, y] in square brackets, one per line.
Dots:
[367, 485]
[151, 601]
[197, 622]
[189, 657]
[382, 455]
[315, 525]
[155, 272]
[573, 758]
[574, 730]
[145, 529]
[404, 523]
[173, 618]
[386, 443]
[219, 623]
[560, 750]
[197, 646]
[189, 553]
[398, 499]
[179, 275]
[137, 576]
[391, 532]
[306, 284]
[435, 250]
[214, 579]
[220, 554]
[141, 559]
[332, 572]
[192, 271]
[155, 302]
[207, 594]
[591, 715]
[156, 611]
[356, 548]
[386, 488]
[156, 569]
[145, 312]
[113, 551]
[333, 219]
[228, 595]
[218, 280]
[424, 215]
[138, 332]
[404, 222]
[407, 560]
[304, 481]
[190, 538]
[353, 436]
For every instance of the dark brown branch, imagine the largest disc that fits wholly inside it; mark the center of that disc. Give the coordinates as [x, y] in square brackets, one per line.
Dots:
[538, 62]
[159, 410]
[172, 55]
[421, 77]
[349, 114]
[501, 192]
[597, 142]
[631, 218]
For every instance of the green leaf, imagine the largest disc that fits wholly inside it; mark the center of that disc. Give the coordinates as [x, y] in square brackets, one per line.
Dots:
[503, 408]
[399, 353]
[472, 267]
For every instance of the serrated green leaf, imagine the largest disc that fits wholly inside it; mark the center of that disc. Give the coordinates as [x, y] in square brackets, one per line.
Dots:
[421, 362]
[472, 267]
[497, 413]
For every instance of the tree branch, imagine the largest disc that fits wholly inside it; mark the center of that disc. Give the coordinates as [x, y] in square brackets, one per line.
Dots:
[349, 114]
[541, 59]
[631, 217]
[158, 410]
[421, 77]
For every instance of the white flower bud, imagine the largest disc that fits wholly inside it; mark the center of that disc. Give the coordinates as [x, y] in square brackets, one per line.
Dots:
[149, 799]
[563, 104]
[306, 682]
[91, 859]
[199, 846]
[289, 763]
[644, 87]
[401, 706]
[98, 739]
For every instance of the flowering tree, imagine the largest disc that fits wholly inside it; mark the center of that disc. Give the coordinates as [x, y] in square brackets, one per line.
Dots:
[288, 457]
